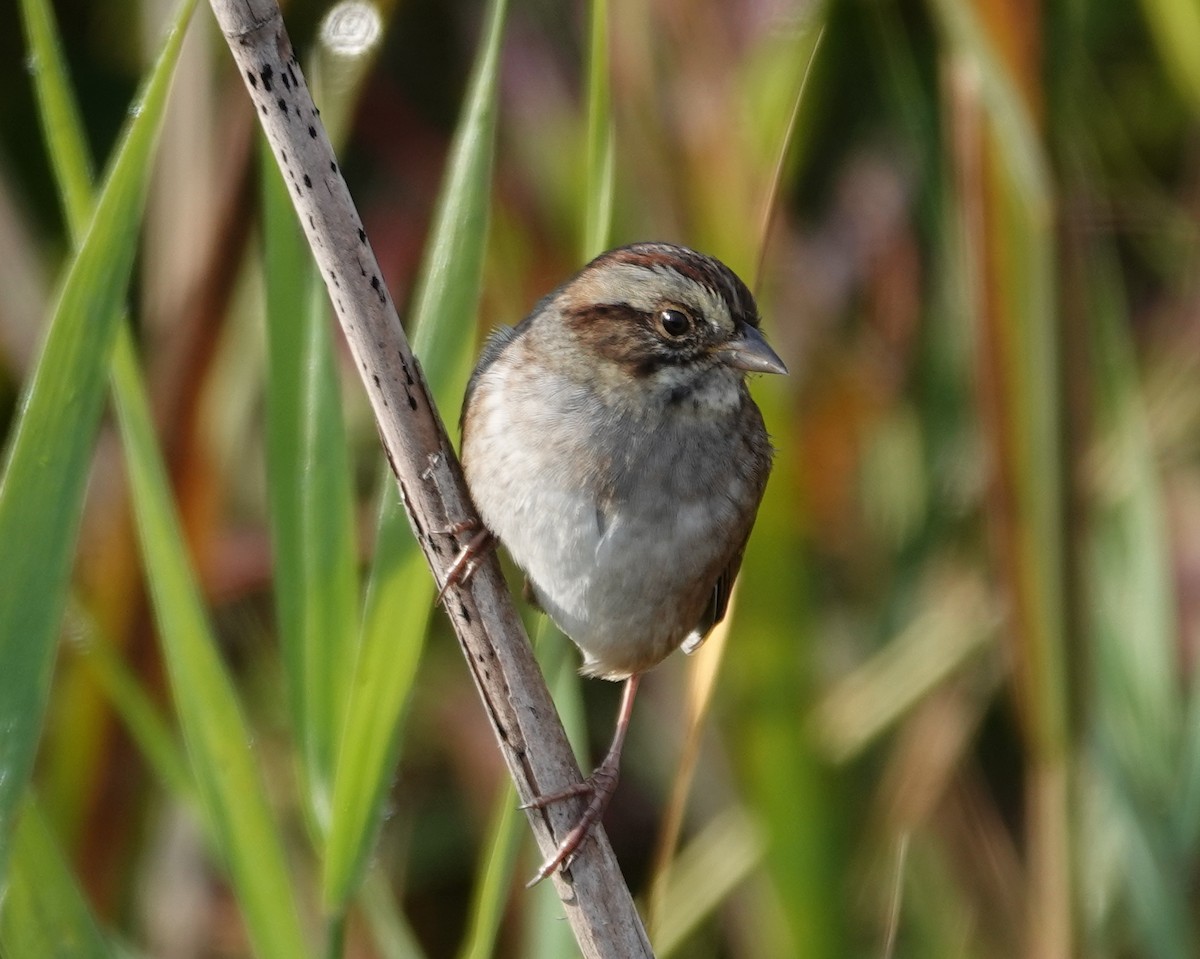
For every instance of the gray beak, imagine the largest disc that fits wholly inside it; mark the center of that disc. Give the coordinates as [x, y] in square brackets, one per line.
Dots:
[749, 351]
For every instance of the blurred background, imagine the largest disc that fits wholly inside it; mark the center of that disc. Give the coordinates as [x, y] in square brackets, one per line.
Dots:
[954, 712]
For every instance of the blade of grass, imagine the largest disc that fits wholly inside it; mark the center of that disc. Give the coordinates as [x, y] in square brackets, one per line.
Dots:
[956, 620]
[62, 127]
[600, 148]
[494, 875]
[311, 500]
[443, 312]
[398, 607]
[45, 913]
[235, 809]
[42, 486]
[400, 594]
[73, 173]
[393, 937]
[1134, 691]
[218, 741]
[769, 688]
[308, 460]
[704, 874]
[149, 729]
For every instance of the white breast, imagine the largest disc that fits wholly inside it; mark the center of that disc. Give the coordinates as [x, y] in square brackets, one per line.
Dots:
[610, 567]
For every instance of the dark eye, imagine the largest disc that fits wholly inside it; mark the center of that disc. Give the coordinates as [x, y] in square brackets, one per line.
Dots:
[674, 322]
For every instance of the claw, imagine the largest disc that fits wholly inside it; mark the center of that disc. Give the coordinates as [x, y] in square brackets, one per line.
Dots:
[465, 563]
[601, 785]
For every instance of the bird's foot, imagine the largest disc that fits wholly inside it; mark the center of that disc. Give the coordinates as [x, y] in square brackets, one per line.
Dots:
[600, 785]
[465, 563]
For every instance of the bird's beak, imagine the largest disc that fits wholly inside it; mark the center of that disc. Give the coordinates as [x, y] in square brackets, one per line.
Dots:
[749, 351]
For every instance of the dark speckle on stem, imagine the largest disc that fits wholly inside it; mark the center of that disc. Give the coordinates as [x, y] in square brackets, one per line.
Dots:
[308, 181]
[362, 235]
[252, 79]
[266, 73]
[282, 104]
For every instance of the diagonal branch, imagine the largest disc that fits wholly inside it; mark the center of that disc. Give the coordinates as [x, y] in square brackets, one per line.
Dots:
[514, 694]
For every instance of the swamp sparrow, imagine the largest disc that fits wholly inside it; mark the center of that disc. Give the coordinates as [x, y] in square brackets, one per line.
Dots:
[610, 443]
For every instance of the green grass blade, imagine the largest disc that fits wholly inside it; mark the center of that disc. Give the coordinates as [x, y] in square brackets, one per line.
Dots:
[59, 114]
[67, 147]
[704, 874]
[398, 607]
[768, 690]
[1133, 623]
[601, 141]
[217, 738]
[494, 875]
[45, 913]
[41, 489]
[147, 727]
[308, 458]
[400, 591]
[443, 313]
[393, 937]
[312, 508]
[239, 824]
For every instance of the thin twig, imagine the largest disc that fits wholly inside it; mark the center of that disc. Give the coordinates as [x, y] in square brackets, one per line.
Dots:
[594, 895]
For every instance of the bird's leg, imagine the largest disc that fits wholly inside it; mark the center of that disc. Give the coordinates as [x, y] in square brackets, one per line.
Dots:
[600, 785]
[468, 557]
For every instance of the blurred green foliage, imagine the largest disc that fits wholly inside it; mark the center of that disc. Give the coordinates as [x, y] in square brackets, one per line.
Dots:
[956, 712]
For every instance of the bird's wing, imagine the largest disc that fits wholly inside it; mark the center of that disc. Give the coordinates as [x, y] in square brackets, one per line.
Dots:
[718, 602]
[496, 342]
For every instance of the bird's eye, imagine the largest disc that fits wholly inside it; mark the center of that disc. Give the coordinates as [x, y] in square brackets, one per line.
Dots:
[674, 322]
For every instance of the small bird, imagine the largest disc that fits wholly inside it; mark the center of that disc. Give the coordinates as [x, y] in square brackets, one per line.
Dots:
[611, 445]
